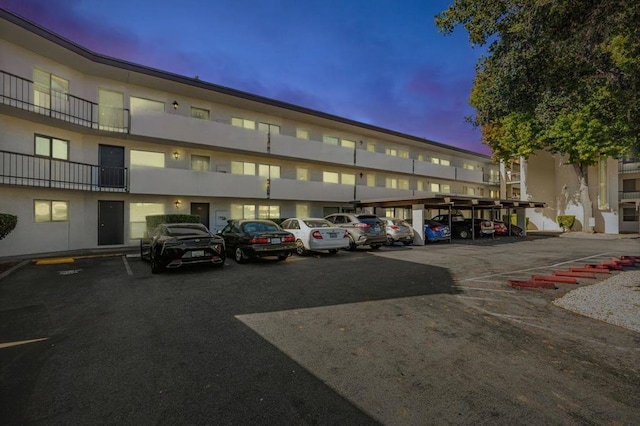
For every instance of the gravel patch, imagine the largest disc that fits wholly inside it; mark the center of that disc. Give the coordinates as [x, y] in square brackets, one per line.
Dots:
[615, 300]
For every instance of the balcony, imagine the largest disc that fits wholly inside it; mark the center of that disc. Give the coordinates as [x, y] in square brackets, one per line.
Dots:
[183, 182]
[490, 179]
[512, 177]
[629, 195]
[425, 168]
[466, 175]
[629, 167]
[45, 172]
[375, 160]
[20, 93]
[303, 190]
[289, 146]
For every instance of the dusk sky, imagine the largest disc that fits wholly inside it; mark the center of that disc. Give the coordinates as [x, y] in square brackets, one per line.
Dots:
[380, 62]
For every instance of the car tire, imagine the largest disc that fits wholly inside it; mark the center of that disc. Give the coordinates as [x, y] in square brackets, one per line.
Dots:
[464, 234]
[300, 248]
[156, 268]
[407, 243]
[333, 251]
[283, 256]
[352, 244]
[376, 246]
[239, 256]
[389, 241]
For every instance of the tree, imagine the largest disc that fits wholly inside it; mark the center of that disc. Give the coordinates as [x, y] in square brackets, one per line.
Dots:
[560, 75]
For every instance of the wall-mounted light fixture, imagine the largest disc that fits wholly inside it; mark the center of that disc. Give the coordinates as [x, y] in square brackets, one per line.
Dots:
[361, 174]
[176, 155]
[178, 203]
[175, 104]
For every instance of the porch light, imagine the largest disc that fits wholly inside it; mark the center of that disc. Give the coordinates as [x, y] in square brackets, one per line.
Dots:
[175, 104]
[176, 155]
[178, 203]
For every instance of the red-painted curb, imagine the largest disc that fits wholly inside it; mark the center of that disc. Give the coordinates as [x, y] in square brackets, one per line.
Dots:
[532, 284]
[564, 280]
[576, 274]
[591, 270]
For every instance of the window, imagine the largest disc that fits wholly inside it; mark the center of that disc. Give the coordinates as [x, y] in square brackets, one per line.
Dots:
[348, 179]
[148, 105]
[302, 134]
[51, 147]
[146, 158]
[468, 190]
[403, 183]
[138, 213]
[629, 214]
[371, 180]
[391, 151]
[243, 168]
[302, 173]
[630, 185]
[420, 185]
[268, 212]
[371, 147]
[241, 122]
[330, 177]
[445, 188]
[440, 161]
[302, 210]
[403, 154]
[331, 140]
[49, 91]
[272, 129]
[110, 109]
[468, 166]
[51, 211]
[435, 187]
[422, 157]
[201, 113]
[200, 163]
[348, 144]
[391, 183]
[494, 194]
[269, 172]
[243, 211]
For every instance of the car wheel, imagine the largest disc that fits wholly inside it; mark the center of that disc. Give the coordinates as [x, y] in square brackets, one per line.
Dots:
[352, 244]
[333, 251]
[300, 249]
[376, 246]
[239, 255]
[464, 234]
[407, 243]
[283, 256]
[156, 268]
[389, 241]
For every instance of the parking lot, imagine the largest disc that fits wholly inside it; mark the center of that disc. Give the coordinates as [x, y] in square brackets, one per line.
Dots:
[400, 335]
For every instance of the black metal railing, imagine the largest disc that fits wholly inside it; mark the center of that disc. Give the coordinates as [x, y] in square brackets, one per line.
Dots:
[490, 179]
[46, 172]
[629, 167]
[628, 195]
[21, 93]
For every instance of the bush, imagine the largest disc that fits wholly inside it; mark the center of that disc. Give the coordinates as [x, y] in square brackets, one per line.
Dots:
[155, 220]
[8, 223]
[566, 221]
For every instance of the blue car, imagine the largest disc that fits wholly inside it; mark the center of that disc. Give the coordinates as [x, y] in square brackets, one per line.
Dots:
[434, 231]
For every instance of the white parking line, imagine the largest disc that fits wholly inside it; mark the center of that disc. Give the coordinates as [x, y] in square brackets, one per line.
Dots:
[126, 265]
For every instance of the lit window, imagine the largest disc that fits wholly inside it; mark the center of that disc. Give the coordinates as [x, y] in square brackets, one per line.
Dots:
[302, 173]
[138, 213]
[330, 177]
[494, 194]
[201, 113]
[273, 129]
[268, 212]
[445, 162]
[241, 122]
[302, 134]
[146, 158]
[435, 187]
[420, 185]
[52, 147]
[421, 157]
[403, 154]
[391, 151]
[371, 147]
[302, 210]
[348, 179]
[468, 166]
[468, 191]
[391, 183]
[331, 140]
[348, 144]
[445, 189]
[269, 172]
[51, 211]
[243, 168]
[139, 104]
[243, 211]
[371, 180]
[200, 163]
[49, 92]
[403, 183]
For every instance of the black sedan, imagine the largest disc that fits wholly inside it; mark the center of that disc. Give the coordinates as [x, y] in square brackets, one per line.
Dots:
[173, 245]
[251, 238]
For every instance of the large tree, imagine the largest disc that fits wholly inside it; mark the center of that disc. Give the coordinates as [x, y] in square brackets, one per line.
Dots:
[559, 75]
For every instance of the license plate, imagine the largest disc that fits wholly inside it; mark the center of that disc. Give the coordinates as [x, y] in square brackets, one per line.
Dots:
[275, 241]
[332, 235]
[197, 253]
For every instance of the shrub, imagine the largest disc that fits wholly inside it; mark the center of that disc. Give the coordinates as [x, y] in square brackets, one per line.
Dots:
[8, 223]
[158, 219]
[566, 221]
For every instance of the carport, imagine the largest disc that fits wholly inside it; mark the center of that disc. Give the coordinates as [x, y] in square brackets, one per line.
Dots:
[450, 203]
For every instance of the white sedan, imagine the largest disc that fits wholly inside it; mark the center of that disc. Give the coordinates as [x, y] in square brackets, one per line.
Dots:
[316, 234]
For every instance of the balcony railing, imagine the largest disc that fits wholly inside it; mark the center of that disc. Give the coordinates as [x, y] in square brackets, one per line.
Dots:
[629, 195]
[490, 179]
[21, 93]
[46, 172]
[629, 167]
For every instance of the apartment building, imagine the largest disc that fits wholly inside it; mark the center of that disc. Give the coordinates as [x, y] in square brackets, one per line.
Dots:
[614, 191]
[90, 145]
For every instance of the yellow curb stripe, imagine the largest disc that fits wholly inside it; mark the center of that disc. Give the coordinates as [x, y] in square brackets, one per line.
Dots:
[56, 261]
[22, 342]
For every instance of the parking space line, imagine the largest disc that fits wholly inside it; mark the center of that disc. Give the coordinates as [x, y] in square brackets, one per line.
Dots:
[22, 342]
[126, 265]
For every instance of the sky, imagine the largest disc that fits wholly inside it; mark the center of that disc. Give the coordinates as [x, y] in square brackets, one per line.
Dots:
[380, 62]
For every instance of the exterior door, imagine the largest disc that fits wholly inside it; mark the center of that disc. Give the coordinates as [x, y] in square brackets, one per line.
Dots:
[201, 210]
[110, 222]
[111, 160]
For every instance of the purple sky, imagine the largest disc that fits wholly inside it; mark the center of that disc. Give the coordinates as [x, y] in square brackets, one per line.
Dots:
[380, 62]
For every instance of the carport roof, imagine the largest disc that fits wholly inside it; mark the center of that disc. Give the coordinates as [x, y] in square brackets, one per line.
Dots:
[455, 201]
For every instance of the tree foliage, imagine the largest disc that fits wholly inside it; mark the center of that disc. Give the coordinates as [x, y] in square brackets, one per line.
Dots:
[560, 75]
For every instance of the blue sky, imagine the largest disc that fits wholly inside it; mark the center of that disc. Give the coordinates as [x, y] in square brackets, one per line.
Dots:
[380, 62]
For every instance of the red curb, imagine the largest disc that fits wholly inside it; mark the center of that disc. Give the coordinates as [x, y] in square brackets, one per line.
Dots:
[564, 280]
[532, 284]
[591, 270]
[612, 265]
[576, 274]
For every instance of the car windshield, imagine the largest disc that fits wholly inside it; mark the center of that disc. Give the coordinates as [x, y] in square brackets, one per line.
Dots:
[318, 223]
[250, 227]
[370, 220]
[183, 230]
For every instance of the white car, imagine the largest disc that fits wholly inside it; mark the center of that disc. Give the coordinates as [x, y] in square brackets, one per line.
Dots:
[316, 234]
